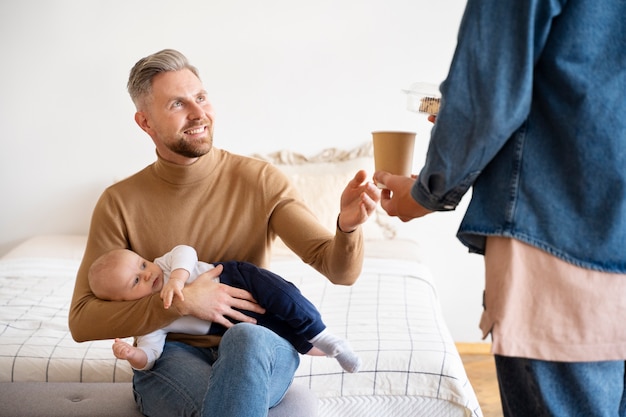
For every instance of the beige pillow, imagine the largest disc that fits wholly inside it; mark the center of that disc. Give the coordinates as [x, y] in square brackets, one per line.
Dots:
[321, 179]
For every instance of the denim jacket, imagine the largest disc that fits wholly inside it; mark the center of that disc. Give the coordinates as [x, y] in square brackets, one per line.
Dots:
[533, 118]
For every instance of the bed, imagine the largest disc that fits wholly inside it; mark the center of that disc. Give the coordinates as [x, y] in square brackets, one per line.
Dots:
[391, 317]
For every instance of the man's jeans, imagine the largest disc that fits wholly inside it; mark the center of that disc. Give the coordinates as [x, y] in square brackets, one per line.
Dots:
[251, 374]
[537, 388]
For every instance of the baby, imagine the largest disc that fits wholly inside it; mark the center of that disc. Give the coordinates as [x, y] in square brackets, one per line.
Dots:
[122, 275]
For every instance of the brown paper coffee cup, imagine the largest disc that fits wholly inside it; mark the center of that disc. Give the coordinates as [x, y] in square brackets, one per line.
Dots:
[393, 152]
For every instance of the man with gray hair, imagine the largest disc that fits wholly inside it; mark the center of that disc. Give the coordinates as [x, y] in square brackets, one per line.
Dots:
[228, 207]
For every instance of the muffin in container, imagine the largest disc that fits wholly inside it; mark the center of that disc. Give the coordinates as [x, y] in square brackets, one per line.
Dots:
[423, 97]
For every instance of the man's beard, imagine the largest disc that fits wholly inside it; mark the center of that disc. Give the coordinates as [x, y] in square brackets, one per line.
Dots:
[189, 149]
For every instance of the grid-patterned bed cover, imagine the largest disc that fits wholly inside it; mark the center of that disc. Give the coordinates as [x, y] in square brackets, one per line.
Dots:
[391, 317]
[393, 320]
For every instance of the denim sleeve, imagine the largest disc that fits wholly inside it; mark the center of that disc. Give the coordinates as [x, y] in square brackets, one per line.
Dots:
[486, 96]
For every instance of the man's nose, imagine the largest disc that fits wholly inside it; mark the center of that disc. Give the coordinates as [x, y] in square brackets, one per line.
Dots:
[196, 111]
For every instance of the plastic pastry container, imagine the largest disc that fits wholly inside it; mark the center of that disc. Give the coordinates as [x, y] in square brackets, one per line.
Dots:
[423, 98]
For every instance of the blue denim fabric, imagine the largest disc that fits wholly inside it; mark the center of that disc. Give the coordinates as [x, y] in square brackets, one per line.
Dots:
[533, 117]
[251, 374]
[558, 389]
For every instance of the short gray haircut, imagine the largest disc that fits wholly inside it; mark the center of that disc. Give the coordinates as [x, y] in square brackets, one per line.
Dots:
[141, 75]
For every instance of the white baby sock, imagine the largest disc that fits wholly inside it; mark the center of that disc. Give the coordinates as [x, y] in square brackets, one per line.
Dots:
[337, 348]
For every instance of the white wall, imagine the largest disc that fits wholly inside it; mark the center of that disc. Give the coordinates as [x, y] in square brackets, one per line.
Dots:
[281, 74]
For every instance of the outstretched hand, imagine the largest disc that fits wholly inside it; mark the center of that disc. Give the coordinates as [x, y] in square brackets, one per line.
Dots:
[396, 198]
[358, 202]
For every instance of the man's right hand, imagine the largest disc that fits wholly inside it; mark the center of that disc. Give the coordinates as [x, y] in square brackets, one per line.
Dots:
[214, 302]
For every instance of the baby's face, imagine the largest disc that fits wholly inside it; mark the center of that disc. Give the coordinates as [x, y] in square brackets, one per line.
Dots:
[136, 277]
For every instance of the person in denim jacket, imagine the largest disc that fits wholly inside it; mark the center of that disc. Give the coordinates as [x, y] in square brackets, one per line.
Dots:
[532, 118]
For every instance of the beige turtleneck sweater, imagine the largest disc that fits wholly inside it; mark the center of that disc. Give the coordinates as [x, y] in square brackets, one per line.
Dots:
[228, 207]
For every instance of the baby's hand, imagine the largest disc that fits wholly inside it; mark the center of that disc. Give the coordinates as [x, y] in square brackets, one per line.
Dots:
[122, 350]
[172, 288]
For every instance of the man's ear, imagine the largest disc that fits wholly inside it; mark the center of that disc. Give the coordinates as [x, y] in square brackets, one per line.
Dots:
[142, 120]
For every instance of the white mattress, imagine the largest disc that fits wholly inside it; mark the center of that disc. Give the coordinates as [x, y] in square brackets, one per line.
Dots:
[35, 342]
[393, 320]
[391, 317]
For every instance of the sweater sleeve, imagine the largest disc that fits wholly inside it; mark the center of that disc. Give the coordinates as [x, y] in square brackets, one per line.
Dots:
[338, 256]
[91, 318]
